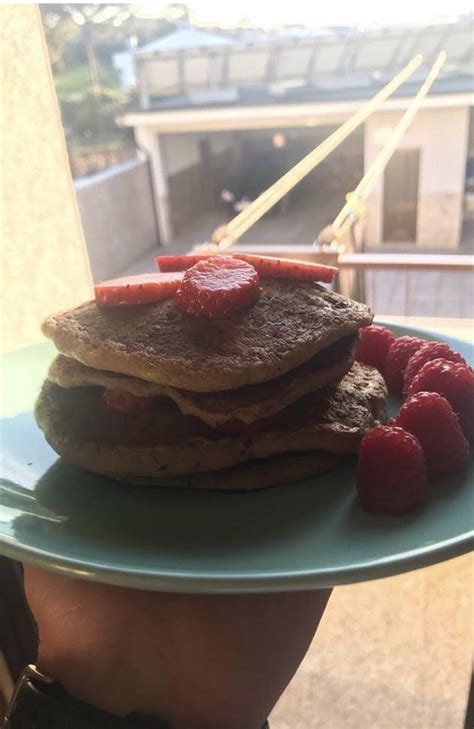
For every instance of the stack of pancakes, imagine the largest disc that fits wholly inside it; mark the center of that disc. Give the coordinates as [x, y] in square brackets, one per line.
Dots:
[268, 395]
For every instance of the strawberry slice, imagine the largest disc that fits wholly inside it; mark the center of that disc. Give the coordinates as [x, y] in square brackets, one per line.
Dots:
[178, 263]
[218, 287]
[269, 267]
[145, 288]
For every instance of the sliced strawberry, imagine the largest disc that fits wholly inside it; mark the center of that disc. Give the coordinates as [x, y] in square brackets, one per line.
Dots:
[126, 402]
[178, 263]
[218, 287]
[269, 267]
[145, 288]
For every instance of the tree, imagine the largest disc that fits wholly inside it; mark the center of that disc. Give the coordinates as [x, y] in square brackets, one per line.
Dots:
[79, 34]
[64, 22]
[59, 30]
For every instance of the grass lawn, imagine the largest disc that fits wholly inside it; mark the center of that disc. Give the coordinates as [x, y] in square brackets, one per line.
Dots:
[76, 80]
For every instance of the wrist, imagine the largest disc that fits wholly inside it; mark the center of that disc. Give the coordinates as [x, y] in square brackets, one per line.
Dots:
[41, 702]
[87, 678]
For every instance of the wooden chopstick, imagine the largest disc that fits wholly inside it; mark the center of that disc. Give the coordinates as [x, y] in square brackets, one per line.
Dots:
[248, 217]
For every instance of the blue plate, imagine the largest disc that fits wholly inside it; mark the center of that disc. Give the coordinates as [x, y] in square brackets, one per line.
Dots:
[304, 535]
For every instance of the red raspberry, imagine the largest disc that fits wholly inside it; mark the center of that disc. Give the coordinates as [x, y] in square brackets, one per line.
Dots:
[217, 287]
[126, 402]
[373, 345]
[455, 381]
[391, 471]
[430, 417]
[397, 359]
[429, 351]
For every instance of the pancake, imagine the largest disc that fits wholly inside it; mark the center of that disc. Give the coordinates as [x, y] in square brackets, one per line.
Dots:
[247, 404]
[162, 441]
[274, 471]
[286, 327]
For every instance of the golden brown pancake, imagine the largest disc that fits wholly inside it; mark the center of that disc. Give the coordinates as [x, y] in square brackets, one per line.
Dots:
[247, 404]
[162, 441]
[288, 325]
[253, 475]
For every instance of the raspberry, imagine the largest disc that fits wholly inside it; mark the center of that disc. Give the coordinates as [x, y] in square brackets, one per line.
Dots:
[125, 402]
[391, 471]
[217, 287]
[430, 418]
[455, 381]
[426, 353]
[397, 359]
[374, 343]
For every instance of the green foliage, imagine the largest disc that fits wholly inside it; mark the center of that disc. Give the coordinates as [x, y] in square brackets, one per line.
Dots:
[109, 28]
[90, 119]
[59, 31]
[75, 82]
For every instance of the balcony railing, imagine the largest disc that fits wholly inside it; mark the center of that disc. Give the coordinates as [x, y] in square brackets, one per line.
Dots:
[393, 283]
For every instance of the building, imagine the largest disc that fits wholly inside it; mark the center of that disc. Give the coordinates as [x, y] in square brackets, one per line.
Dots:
[215, 112]
[124, 64]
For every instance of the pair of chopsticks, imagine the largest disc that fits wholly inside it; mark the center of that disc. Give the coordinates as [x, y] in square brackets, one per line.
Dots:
[366, 184]
[226, 235]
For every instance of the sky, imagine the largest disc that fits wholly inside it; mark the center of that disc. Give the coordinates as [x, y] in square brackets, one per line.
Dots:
[271, 13]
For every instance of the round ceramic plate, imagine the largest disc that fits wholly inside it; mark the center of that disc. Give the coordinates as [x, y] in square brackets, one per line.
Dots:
[304, 535]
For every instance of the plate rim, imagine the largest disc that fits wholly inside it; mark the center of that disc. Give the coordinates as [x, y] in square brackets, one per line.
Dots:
[173, 581]
[237, 584]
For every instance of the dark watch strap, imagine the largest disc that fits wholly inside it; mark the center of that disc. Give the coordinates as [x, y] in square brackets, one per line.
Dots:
[39, 702]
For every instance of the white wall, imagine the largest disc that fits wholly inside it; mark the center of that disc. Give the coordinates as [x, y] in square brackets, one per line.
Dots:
[441, 135]
[181, 151]
[44, 265]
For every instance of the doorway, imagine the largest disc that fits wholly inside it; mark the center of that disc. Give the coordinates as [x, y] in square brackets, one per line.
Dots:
[400, 200]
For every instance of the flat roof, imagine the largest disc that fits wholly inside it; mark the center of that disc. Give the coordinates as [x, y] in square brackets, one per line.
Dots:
[308, 68]
[352, 89]
[264, 116]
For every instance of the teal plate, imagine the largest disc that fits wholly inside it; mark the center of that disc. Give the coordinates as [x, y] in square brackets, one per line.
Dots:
[305, 535]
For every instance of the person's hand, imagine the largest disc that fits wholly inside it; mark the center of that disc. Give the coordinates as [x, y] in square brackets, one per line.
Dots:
[198, 661]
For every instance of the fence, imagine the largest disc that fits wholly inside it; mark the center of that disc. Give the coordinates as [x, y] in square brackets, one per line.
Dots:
[411, 284]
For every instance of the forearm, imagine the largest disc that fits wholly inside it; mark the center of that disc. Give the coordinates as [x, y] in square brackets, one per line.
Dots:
[201, 662]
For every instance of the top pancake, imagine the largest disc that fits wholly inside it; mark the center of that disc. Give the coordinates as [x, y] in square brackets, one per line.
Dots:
[288, 325]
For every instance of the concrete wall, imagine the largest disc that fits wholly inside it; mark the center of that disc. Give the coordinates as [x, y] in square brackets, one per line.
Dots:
[118, 217]
[193, 182]
[441, 136]
[44, 265]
